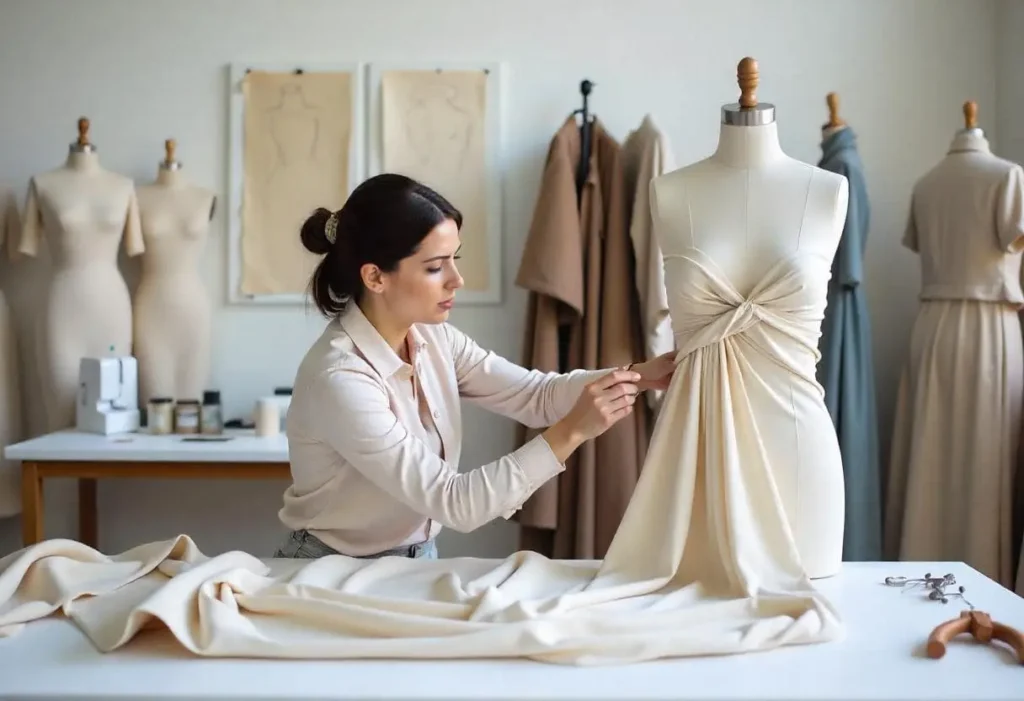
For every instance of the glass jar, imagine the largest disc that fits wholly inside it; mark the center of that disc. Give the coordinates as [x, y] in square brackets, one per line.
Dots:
[160, 415]
[211, 419]
[186, 416]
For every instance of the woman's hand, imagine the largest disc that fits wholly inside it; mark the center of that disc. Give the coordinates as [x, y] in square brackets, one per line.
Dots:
[603, 403]
[657, 372]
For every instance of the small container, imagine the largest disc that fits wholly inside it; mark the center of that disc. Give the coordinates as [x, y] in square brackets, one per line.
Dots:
[283, 395]
[160, 415]
[211, 416]
[186, 416]
[267, 417]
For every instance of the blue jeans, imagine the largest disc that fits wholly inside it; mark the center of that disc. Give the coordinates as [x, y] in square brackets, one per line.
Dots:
[303, 544]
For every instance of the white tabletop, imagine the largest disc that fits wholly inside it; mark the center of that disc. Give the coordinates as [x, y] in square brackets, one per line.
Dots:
[233, 446]
[881, 658]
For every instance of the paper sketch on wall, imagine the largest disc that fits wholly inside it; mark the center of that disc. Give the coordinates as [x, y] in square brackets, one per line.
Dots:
[297, 141]
[434, 130]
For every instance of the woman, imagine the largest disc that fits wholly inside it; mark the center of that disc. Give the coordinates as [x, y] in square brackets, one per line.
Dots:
[374, 425]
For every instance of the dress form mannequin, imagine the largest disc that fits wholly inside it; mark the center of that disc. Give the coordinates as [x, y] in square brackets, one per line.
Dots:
[753, 221]
[172, 310]
[10, 395]
[957, 426]
[846, 368]
[84, 212]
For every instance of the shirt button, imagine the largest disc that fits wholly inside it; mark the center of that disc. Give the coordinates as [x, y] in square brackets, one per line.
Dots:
[437, 414]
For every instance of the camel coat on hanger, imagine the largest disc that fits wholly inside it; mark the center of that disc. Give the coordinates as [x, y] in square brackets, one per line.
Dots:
[583, 313]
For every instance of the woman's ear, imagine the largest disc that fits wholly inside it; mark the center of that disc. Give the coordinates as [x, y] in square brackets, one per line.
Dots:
[373, 278]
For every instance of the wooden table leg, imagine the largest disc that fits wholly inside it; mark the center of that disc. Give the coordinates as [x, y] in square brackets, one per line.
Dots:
[88, 523]
[31, 504]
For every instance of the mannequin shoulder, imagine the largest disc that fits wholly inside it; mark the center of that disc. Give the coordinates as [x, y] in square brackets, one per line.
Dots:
[828, 199]
[829, 189]
[669, 191]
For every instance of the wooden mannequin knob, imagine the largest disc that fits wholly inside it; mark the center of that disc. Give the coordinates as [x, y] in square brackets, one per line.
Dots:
[170, 145]
[832, 100]
[746, 75]
[970, 114]
[83, 131]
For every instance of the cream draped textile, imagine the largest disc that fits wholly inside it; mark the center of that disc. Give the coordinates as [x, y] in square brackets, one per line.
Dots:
[729, 581]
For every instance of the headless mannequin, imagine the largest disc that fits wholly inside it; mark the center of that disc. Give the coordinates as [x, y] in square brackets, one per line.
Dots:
[10, 395]
[84, 212]
[172, 310]
[749, 207]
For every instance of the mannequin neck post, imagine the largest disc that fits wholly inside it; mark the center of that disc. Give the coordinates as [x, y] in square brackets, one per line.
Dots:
[748, 146]
[170, 175]
[83, 161]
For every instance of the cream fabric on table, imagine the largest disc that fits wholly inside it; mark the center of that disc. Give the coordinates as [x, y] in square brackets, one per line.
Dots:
[704, 561]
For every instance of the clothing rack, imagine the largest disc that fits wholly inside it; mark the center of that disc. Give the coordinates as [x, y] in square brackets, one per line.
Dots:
[581, 169]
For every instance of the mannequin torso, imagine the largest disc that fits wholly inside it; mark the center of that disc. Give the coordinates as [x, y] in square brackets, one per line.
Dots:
[749, 205]
[84, 212]
[172, 310]
[752, 219]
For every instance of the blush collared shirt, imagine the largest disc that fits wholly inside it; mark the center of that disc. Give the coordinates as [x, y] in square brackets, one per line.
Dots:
[374, 442]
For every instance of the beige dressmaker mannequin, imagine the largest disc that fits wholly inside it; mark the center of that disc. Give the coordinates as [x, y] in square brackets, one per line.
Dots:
[172, 309]
[84, 212]
[745, 213]
[10, 395]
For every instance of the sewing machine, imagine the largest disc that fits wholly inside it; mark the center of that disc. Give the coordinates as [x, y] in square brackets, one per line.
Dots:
[108, 395]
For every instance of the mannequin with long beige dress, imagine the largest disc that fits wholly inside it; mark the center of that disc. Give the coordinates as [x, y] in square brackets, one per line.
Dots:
[959, 404]
[758, 230]
[10, 382]
[172, 312]
[738, 505]
[84, 212]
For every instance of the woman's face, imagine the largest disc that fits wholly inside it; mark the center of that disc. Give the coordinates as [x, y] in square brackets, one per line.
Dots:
[422, 289]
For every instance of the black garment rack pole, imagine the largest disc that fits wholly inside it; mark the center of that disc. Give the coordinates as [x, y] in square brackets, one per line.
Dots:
[581, 169]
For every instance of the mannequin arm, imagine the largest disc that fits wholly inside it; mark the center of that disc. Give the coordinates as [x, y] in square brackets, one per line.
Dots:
[32, 224]
[133, 244]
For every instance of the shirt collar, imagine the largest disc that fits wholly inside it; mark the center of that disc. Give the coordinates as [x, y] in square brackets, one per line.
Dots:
[970, 140]
[373, 346]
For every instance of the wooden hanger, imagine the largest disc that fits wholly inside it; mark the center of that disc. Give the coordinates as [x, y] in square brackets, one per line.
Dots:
[980, 625]
[834, 120]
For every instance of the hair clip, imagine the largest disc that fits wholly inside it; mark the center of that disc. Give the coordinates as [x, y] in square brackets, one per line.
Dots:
[331, 228]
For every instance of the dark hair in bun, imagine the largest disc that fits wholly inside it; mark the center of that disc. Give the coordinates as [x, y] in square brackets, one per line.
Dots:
[383, 221]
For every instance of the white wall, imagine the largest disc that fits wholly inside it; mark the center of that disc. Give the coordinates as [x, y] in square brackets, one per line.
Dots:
[1009, 67]
[146, 71]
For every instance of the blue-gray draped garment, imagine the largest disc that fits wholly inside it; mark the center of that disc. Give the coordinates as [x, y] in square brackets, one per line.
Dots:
[846, 369]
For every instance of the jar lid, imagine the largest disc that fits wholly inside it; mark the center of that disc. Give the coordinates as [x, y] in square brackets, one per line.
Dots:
[161, 400]
[211, 396]
[188, 401]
